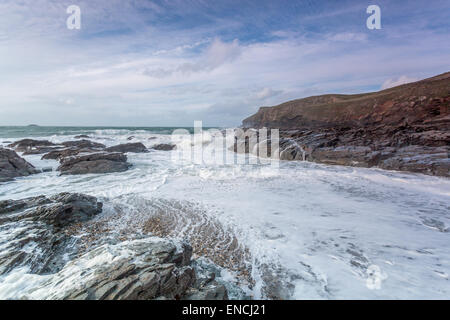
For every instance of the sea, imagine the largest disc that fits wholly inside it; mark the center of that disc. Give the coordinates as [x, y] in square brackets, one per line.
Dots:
[300, 230]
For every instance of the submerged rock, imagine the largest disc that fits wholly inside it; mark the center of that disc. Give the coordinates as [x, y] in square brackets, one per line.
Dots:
[12, 165]
[82, 136]
[128, 147]
[94, 163]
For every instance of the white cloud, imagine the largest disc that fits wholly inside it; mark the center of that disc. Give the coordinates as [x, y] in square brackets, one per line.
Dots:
[163, 76]
[216, 54]
[389, 83]
[267, 93]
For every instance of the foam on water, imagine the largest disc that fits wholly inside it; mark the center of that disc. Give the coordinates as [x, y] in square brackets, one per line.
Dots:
[313, 231]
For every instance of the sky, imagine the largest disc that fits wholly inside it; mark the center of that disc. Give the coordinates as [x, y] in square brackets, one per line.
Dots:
[168, 63]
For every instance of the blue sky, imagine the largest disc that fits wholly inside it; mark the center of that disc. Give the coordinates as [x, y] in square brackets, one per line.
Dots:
[168, 63]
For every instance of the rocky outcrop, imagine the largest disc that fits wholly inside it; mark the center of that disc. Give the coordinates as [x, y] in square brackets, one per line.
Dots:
[140, 270]
[100, 162]
[164, 147]
[12, 166]
[403, 128]
[32, 146]
[59, 210]
[128, 147]
[82, 136]
[33, 230]
[45, 236]
[418, 102]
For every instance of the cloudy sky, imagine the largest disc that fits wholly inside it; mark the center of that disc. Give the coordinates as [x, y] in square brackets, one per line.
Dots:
[168, 63]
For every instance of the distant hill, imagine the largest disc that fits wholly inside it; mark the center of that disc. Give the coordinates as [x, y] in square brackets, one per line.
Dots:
[425, 101]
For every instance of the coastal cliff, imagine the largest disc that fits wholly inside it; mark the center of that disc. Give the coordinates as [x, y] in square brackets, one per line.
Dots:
[404, 128]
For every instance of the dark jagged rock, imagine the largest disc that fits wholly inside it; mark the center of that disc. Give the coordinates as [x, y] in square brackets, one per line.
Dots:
[59, 210]
[128, 147]
[42, 239]
[83, 144]
[25, 145]
[164, 147]
[150, 269]
[37, 237]
[94, 163]
[403, 128]
[82, 136]
[12, 166]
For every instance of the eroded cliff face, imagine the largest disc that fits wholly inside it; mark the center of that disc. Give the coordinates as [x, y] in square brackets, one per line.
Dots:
[419, 102]
[404, 128]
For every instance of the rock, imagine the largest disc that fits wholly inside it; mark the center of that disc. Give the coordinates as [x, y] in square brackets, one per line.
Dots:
[33, 231]
[47, 169]
[94, 163]
[83, 144]
[12, 166]
[59, 210]
[82, 136]
[128, 147]
[164, 147]
[143, 269]
[130, 138]
[29, 144]
[47, 236]
[64, 153]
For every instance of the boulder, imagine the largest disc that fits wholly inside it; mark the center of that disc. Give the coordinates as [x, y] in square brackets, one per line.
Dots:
[12, 165]
[100, 162]
[59, 210]
[128, 147]
[82, 136]
[164, 147]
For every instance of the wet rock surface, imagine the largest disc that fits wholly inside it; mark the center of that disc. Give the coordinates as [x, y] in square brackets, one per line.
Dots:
[46, 236]
[100, 162]
[128, 147]
[33, 230]
[12, 165]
